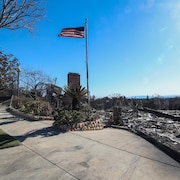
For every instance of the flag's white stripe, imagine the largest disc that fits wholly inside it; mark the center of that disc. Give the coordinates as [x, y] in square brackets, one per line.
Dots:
[73, 34]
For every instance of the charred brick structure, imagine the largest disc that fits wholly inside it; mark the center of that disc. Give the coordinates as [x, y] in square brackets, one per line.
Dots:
[74, 79]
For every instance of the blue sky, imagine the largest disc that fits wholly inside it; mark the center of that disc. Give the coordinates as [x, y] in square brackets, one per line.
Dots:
[134, 45]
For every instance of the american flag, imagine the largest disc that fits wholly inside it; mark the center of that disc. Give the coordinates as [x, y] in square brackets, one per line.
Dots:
[72, 32]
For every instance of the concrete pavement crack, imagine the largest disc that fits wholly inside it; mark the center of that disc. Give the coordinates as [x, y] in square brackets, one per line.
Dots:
[59, 167]
[124, 150]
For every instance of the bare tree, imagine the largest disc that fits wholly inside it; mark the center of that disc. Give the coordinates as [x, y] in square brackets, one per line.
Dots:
[16, 14]
[35, 82]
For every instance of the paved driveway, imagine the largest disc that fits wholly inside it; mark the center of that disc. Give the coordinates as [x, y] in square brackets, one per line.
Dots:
[108, 154]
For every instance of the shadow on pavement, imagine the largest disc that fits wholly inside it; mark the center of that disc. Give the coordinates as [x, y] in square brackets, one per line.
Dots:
[8, 122]
[45, 132]
[8, 117]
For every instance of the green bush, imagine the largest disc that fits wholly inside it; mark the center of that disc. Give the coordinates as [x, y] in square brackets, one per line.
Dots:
[69, 117]
[91, 116]
[94, 116]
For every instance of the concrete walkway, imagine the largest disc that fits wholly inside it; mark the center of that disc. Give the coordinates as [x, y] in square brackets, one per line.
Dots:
[108, 154]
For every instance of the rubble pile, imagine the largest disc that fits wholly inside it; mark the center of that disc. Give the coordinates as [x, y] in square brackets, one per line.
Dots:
[163, 131]
[175, 113]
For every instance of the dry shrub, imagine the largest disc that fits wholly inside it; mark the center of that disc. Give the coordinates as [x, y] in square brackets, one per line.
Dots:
[36, 107]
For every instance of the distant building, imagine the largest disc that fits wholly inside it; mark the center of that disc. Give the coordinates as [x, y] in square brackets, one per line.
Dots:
[74, 79]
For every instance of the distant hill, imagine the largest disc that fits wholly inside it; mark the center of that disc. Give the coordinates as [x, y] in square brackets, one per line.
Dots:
[144, 97]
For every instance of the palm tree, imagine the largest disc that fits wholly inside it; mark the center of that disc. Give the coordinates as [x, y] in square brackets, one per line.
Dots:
[76, 93]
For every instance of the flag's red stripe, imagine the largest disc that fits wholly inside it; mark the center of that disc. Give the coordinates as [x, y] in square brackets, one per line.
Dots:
[73, 32]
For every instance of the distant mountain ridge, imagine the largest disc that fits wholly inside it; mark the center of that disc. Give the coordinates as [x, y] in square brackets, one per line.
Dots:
[145, 97]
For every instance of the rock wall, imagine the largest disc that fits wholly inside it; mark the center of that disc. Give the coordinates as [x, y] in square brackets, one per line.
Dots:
[29, 117]
[83, 126]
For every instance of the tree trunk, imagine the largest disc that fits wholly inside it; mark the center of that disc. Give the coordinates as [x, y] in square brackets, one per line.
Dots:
[75, 104]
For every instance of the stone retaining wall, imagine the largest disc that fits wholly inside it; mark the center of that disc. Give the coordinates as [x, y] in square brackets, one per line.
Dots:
[29, 117]
[83, 126]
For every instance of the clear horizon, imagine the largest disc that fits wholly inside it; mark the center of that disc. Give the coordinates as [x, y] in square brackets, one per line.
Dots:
[133, 46]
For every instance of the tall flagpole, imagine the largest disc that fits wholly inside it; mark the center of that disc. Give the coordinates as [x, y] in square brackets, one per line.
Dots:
[87, 73]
